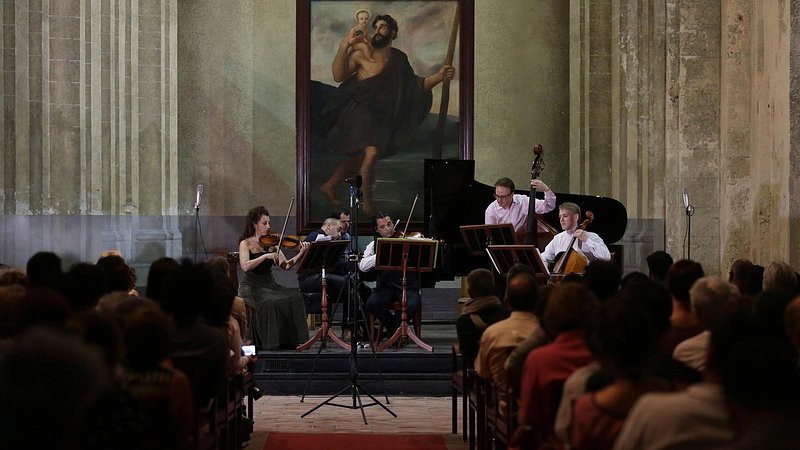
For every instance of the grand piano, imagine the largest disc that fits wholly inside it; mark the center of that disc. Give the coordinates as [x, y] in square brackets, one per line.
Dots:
[453, 198]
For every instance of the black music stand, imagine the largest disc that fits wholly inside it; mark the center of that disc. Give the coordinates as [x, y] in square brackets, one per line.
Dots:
[505, 256]
[322, 256]
[478, 237]
[415, 255]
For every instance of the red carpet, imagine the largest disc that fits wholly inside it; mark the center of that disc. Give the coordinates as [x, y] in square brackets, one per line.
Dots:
[347, 441]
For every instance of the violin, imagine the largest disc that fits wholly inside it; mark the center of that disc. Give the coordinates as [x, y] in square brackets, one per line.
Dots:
[271, 240]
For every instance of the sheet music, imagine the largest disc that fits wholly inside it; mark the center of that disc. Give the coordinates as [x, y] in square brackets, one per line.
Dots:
[322, 237]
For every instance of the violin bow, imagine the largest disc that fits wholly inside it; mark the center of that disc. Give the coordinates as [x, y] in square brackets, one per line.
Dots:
[285, 222]
[409, 214]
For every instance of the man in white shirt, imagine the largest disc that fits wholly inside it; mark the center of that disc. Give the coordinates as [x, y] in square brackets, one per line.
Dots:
[513, 208]
[388, 287]
[588, 244]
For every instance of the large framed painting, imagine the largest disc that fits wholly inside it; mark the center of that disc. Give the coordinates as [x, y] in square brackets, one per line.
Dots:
[381, 87]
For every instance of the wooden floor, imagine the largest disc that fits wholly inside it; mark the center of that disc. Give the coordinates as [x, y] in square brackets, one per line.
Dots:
[415, 415]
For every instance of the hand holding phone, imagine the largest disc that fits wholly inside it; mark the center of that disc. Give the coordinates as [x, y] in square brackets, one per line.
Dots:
[248, 350]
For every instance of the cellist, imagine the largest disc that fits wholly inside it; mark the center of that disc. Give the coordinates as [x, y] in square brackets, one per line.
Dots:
[587, 244]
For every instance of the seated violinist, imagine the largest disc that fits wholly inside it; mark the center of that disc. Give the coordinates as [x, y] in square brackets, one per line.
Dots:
[513, 208]
[389, 286]
[279, 318]
[586, 243]
[335, 280]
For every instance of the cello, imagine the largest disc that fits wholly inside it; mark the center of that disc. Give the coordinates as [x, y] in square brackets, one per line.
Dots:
[536, 169]
[570, 261]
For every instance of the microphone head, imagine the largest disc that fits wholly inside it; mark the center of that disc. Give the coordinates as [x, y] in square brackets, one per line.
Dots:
[685, 198]
[200, 188]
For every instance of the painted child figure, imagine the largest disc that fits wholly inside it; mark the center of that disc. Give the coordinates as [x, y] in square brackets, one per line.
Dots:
[359, 34]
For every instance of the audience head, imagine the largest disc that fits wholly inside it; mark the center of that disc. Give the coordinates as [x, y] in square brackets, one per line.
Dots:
[654, 298]
[758, 371]
[658, 263]
[633, 277]
[480, 283]
[146, 338]
[41, 306]
[738, 272]
[186, 292]
[10, 296]
[48, 380]
[220, 301]
[44, 270]
[753, 280]
[711, 298]
[622, 337]
[569, 308]
[779, 275]
[85, 284]
[769, 307]
[12, 276]
[522, 292]
[119, 276]
[602, 278]
[100, 331]
[680, 278]
[158, 272]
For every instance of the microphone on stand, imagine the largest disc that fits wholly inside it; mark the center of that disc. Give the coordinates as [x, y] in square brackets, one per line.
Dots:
[198, 197]
[685, 198]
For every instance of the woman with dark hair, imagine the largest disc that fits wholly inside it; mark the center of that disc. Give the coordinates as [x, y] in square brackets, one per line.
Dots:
[279, 318]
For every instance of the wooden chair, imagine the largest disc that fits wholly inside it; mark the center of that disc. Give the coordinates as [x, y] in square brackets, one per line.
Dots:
[397, 307]
[477, 412]
[459, 389]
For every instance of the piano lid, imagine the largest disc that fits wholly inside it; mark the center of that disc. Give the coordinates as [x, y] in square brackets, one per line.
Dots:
[453, 198]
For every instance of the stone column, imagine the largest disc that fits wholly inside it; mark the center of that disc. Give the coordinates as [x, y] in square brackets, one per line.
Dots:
[692, 128]
[89, 120]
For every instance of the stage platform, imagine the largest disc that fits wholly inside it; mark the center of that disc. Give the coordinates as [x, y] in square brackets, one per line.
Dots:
[407, 370]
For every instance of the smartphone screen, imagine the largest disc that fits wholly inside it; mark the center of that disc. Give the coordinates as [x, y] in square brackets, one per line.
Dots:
[248, 350]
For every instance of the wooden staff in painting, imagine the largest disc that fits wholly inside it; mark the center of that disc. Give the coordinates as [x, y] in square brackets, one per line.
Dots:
[438, 142]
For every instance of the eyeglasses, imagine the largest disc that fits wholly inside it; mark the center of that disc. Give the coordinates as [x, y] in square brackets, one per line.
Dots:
[502, 197]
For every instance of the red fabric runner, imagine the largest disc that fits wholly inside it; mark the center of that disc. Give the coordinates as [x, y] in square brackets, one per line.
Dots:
[349, 441]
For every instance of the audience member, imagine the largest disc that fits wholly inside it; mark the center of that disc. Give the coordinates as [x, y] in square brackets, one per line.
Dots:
[547, 367]
[500, 338]
[163, 393]
[602, 278]
[13, 276]
[623, 339]
[44, 270]
[481, 310]
[711, 299]
[769, 307]
[158, 272]
[753, 281]
[658, 263]
[680, 278]
[792, 321]
[198, 350]
[779, 275]
[119, 275]
[85, 284]
[738, 272]
[48, 380]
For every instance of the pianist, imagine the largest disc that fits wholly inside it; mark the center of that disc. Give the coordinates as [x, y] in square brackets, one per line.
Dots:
[512, 208]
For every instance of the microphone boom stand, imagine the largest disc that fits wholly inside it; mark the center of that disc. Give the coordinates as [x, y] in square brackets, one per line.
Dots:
[355, 304]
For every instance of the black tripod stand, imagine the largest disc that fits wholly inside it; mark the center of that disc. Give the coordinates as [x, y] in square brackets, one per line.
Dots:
[354, 389]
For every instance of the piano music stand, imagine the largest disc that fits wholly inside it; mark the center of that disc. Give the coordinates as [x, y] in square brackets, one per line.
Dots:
[478, 237]
[322, 256]
[415, 255]
[505, 256]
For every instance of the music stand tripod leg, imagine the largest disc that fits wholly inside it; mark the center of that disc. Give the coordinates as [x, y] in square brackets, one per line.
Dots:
[354, 388]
